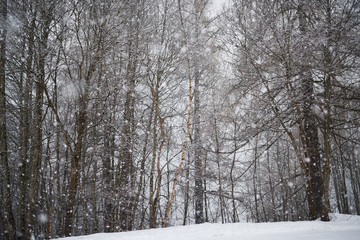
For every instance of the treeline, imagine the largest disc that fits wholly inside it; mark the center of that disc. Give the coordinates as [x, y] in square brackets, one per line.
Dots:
[105, 105]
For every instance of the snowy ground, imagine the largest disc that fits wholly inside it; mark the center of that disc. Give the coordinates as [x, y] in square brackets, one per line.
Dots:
[344, 227]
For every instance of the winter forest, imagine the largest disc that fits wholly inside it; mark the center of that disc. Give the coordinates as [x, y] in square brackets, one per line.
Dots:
[120, 115]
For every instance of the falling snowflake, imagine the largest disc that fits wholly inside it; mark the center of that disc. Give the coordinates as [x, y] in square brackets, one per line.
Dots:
[43, 218]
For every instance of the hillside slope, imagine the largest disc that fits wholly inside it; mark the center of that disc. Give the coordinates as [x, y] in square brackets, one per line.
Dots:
[346, 227]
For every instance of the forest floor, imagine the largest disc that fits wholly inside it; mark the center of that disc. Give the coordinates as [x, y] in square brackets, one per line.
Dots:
[346, 227]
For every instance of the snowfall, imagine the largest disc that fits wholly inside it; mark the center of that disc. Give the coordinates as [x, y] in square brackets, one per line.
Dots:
[346, 227]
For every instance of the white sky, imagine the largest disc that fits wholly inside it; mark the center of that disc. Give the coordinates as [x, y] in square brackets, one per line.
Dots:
[217, 5]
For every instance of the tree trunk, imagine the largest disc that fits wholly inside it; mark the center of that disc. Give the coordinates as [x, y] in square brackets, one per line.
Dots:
[205, 192]
[199, 189]
[36, 142]
[25, 125]
[126, 160]
[315, 181]
[187, 189]
[219, 177]
[234, 213]
[152, 200]
[36, 161]
[142, 165]
[107, 178]
[254, 178]
[75, 156]
[9, 232]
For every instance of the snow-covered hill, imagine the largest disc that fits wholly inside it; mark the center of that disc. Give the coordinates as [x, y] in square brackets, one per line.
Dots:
[346, 227]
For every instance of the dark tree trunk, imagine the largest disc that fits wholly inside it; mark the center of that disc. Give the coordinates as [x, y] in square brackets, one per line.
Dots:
[36, 142]
[107, 178]
[199, 189]
[25, 125]
[75, 155]
[9, 230]
[315, 181]
[314, 177]
[126, 159]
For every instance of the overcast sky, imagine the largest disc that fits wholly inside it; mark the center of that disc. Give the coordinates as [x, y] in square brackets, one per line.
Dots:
[217, 5]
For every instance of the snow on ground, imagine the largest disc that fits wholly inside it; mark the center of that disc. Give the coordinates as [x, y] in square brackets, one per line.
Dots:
[342, 227]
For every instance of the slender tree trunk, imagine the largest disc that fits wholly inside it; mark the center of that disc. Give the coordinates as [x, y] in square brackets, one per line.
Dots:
[327, 125]
[25, 125]
[126, 160]
[272, 191]
[256, 201]
[187, 189]
[94, 218]
[59, 199]
[231, 176]
[107, 178]
[36, 159]
[36, 141]
[205, 187]
[9, 232]
[199, 189]
[50, 222]
[152, 198]
[217, 152]
[354, 179]
[83, 178]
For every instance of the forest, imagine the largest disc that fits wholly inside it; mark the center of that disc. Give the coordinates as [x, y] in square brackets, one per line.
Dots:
[121, 115]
